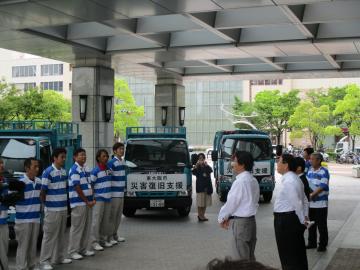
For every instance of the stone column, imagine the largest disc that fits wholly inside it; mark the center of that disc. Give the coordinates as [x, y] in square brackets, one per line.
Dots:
[170, 93]
[95, 82]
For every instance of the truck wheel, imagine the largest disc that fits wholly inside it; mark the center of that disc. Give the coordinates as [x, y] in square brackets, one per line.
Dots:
[267, 196]
[129, 212]
[184, 211]
[223, 196]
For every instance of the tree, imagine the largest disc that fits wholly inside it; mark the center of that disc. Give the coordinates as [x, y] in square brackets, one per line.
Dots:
[349, 110]
[55, 107]
[241, 108]
[312, 120]
[275, 109]
[32, 104]
[8, 96]
[127, 113]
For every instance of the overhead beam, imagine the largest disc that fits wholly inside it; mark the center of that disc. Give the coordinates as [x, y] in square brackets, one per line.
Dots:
[207, 21]
[296, 21]
[212, 63]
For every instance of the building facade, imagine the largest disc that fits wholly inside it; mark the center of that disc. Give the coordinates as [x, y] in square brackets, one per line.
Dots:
[27, 71]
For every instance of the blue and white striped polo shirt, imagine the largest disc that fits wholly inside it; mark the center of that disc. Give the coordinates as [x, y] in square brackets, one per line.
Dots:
[3, 208]
[28, 209]
[54, 182]
[319, 179]
[79, 176]
[118, 180]
[101, 181]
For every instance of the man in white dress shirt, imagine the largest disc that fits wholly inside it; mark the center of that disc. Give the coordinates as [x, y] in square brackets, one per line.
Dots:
[290, 216]
[241, 206]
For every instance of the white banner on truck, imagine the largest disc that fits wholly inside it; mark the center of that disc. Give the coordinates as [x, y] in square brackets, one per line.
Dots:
[156, 182]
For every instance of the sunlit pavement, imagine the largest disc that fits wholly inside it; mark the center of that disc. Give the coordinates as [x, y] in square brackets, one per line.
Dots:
[162, 240]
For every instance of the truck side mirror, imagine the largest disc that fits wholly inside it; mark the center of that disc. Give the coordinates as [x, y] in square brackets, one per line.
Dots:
[279, 150]
[194, 159]
[214, 155]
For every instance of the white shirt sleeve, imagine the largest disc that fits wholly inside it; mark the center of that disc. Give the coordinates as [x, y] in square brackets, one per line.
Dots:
[232, 203]
[296, 199]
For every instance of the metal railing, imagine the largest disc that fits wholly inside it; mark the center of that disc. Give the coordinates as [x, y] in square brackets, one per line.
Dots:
[60, 127]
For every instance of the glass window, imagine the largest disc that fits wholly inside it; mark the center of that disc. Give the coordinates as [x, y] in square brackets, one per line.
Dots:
[228, 146]
[260, 149]
[154, 153]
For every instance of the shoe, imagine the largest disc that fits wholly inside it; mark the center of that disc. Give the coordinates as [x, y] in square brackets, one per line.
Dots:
[120, 239]
[201, 219]
[321, 249]
[76, 256]
[107, 244]
[205, 219]
[47, 266]
[310, 246]
[88, 253]
[67, 261]
[113, 242]
[97, 247]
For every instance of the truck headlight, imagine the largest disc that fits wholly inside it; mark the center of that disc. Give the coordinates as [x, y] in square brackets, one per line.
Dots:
[183, 193]
[131, 194]
[267, 180]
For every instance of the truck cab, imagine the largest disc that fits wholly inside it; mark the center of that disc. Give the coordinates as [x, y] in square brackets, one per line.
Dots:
[256, 142]
[20, 140]
[158, 170]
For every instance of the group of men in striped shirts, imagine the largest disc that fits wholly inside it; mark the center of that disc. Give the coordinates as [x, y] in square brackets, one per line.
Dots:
[96, 201]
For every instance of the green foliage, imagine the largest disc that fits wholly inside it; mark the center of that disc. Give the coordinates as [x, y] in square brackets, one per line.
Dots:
[33, 104]
[312, 120]
[275, 109]
[349, 110]
[127, 113]
[241, 108]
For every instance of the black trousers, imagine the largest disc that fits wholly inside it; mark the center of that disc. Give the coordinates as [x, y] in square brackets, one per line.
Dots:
[289, 233]
[319, 215]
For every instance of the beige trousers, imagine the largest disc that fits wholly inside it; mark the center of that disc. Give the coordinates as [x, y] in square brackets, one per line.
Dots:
[27, 236]
[4, 246]
[81, 217]
[53, 245]
[117, 205]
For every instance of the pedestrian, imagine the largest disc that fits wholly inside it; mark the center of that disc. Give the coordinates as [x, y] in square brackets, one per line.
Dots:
[81, 203]
[290, 210]
[204, 188]
[4, 229]
[318, 177]
[118, 182]
[300, 171]
[306, 154]
[54, 195]
[241, 207]
[27, 221]
[101, 182]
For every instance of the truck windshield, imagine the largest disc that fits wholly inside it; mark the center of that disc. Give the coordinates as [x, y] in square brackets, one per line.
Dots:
[14, 152]
[260, 148]
[155, 153]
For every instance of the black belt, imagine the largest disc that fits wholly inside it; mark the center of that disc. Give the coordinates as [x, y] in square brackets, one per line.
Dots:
[236, 217]
[284, 213]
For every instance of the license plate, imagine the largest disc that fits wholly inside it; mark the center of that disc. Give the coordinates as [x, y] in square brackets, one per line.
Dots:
[157, 203]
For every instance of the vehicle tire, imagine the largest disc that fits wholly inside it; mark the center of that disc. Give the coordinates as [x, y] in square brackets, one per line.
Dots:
[184, 211]
[223, 196]
[267, 196]
[129, 212]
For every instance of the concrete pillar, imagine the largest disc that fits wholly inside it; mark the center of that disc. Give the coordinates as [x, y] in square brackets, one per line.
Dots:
[95, 82]
[170, 93]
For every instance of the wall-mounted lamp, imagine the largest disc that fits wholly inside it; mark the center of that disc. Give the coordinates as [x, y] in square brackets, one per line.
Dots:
[164, 110]
[107, 108]
[181, 116]
[83, 107]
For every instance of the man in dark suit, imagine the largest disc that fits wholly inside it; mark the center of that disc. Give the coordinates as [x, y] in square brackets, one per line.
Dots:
[300, 171]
